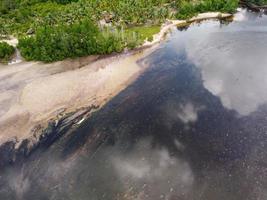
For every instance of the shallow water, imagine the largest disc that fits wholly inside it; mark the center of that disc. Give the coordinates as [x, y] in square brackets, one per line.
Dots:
[192, 127]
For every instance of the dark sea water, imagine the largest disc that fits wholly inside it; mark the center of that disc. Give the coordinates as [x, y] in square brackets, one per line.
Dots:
[192, 127]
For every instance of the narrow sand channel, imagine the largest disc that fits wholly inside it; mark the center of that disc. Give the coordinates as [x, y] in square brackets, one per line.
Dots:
[31, 93]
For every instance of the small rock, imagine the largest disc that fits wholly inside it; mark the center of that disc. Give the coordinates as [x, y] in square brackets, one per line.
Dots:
[30, 31]
[108, 17]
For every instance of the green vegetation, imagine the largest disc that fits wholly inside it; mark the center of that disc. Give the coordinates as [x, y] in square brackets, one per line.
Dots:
[76, 40]
[70, 28]
[31, 14]
[6, 51]
[189, 9]
[258, 2]
[144, 32]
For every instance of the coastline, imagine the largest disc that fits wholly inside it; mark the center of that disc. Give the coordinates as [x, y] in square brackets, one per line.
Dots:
[40, 100]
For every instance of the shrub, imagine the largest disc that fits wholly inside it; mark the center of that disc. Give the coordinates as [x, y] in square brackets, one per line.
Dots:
[52, 43]
[6, 51]
[187, 9]
[56, 43]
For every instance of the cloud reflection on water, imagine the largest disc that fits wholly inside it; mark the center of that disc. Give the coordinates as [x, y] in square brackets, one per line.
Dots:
[155, 173]
[233, 65]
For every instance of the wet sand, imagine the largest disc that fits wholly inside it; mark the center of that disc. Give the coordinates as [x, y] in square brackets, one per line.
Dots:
[32, 93]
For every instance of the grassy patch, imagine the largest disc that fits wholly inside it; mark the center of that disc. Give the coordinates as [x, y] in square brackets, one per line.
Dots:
[144, 32]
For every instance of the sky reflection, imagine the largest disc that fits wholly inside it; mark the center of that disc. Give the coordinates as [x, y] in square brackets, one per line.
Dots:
[233, 65]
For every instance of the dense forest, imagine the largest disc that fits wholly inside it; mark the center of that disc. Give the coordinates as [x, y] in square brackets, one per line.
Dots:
[50, 30]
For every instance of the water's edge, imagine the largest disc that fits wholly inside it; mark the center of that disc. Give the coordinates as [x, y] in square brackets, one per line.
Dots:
[43, 135]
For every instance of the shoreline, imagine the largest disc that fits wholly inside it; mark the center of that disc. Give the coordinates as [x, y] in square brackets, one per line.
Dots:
[61, 95]
[157, 38]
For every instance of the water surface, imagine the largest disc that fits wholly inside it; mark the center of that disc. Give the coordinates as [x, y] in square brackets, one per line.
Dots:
[192, 127]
